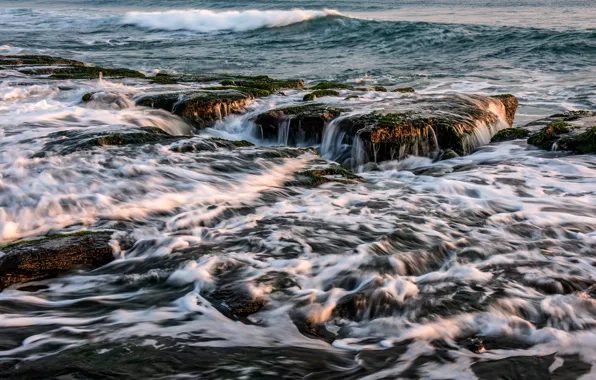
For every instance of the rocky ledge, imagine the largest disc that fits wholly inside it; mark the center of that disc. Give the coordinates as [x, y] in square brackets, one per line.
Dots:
[53, 255]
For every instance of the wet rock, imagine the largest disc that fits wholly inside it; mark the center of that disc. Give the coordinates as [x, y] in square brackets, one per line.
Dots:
[367, 305]
[510, 134]
[448, 155]
[511, 103]
[36, 60]
[53, 255]
[550, 134]
[211, 144]
[476, 345]
[379, 89]
[349, 97]
[332, 85]
[295, 125]
[201, 108]
[459, 124]
[87, 96]
[68, 142]
[403, 90]
[262, 82]
[531, 368]
[93, 72]
[237, 301]
[319, 176]
[319, 94]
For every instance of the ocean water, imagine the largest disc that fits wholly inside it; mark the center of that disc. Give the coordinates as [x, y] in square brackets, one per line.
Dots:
[399, 272]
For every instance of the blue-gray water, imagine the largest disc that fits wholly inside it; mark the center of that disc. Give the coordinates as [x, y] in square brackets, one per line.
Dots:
[498, 244]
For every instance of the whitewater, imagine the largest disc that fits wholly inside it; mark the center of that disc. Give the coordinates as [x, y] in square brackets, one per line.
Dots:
[229, 260]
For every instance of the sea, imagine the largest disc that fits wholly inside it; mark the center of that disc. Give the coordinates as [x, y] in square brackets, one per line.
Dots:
[476, 267]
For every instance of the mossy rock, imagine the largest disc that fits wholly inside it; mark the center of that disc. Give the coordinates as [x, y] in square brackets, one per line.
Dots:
[350, 97]
[201, 108]
[334, 173]
[87, 97]
[34, 260]
[510, 134]
[305, 123]
[448, 155]
[68, 142]
[549, 135]
[163, 79]
[36, 60]
[404, 90]
[379, 89]
[583, 143]
[332, 86]
[319, 94]
[93, 72]
[254, 92]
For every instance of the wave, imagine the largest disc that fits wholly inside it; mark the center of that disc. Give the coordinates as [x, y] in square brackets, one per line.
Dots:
[205, 20]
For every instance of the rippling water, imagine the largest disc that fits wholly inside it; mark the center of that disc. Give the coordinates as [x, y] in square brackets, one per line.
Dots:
[391, 277]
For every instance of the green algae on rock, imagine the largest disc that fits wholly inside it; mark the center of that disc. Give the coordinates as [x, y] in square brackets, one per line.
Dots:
[510, 134]
[210, 144]
[333, 173]
[510, 103]
[549, 135]
[34, 260]
[36, 60]
[319, 94]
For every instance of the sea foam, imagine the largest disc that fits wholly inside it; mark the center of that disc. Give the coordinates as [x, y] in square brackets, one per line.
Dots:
[205, 21]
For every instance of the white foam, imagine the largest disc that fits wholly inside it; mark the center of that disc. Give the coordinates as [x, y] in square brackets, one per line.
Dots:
[205, 20]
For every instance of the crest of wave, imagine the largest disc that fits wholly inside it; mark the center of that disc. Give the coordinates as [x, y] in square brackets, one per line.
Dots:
[205, 21]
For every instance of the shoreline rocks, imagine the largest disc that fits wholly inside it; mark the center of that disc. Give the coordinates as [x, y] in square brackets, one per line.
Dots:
[53, 255]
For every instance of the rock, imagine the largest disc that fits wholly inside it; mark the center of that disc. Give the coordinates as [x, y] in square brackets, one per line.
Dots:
[200, 108]
[295, 125]
[448, 155]
[87, 96]
[379, 89]
[548, 135]
[319, 94]
[510, 102]
[92, 72]
[332, 85]
[318, 176]
[53, 255]
[210, 144]
[36, 60]
[404, 90]
[367, 305]
[349, 97]
[460, 124]
[68, 142]
[511, 134]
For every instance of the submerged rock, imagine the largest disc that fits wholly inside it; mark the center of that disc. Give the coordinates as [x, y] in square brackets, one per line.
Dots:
[404, 90]
[511, 134]
[53, 255]
[210, 144]
[332, 85]
[573, 131]
[201, 108]
[319, 94]
[68, 142]
[318, 176]
[295, 125]
[36, 60]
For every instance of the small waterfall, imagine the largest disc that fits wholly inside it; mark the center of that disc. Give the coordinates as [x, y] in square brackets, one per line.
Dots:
[283, 133]
[332, 139]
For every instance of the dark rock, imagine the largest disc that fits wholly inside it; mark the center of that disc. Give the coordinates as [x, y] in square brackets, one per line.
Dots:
[379, 89]
[68, 142]
[510, 103]
[210, 144]
[404, 90]
[53, 255]
[448, 155]
[36, 60]
[319, 94]
[548, 135]
[352, 97]
[367, 305]
[511, 134]
[332, 85]
[88, 96]
[201, 108]
[295, 125]
[319, 176]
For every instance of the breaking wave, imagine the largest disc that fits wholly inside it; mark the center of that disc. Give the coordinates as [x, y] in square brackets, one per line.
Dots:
[206, 21]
